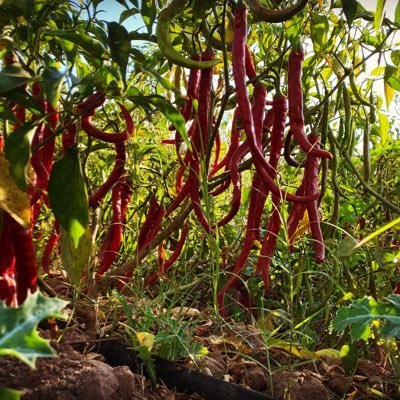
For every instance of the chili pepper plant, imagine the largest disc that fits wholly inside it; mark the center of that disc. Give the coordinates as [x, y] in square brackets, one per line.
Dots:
[249, 146]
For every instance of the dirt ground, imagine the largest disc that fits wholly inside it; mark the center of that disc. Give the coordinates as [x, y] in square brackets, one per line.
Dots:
[80, 373]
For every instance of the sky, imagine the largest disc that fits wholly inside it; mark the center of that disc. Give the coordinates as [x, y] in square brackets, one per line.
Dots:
[113, 10]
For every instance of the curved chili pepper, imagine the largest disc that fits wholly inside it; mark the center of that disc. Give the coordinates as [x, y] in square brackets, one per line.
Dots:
[88, 106]
[96, 133]
[116, 173]
[269, 15]
[242, 150]
[234, 144]
[295, 96]
[165, 17]
[286, 153]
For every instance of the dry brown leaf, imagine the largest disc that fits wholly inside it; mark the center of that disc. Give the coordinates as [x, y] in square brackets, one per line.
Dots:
[12, 199]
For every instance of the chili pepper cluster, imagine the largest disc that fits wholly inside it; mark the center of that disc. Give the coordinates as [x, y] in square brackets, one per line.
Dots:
[252, 118]
[18, 265]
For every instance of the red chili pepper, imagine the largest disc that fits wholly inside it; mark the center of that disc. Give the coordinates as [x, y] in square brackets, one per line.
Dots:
[121, 194]
[397, 290]
[312, 207]
[88, 107]
[20, 115]
[115, 175]
[234, 144]
[309, 183]
[200, 136]
[151, 224]
[48, 148]
[295, 96]
[25, 259]
[96, 133]
[296, 214]
[235, 177]
[7, 263]
[239, 72]
[49, 247]
[192, 90]
[174, 256]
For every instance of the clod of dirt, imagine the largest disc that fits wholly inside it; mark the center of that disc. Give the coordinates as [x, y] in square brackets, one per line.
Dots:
[256, 378]
[295, 385]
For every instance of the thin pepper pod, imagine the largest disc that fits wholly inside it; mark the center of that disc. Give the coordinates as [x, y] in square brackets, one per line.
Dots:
[116, 173]
[25, 259]
[312, 207]
[269, 241]
[295, 97]
[268, 15]
[165, 17]
[49, 247]
[121, 195]
[234, 144]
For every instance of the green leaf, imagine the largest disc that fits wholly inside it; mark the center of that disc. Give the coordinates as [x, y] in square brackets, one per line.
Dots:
[52, 84]
[10, 394]
[163, 81]
[6, 113]
[17, 149]
[68, 195]
[13, 76]
[200, 8]
[346, 247]
[91, 45]
[384, 127]
[128, 13]
[319, 32]
[172, 114]
[350, 10]
[380, 5]
[391, 77]
[395, 57]
[360, 315]
[18, 335]
[349, 356]
[294, 28]
[74, 259]
[148, 13]
[120, 45]
[397, 13]
[23, 98]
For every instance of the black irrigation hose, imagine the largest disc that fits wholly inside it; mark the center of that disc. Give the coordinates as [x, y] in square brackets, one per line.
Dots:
[176, 376]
